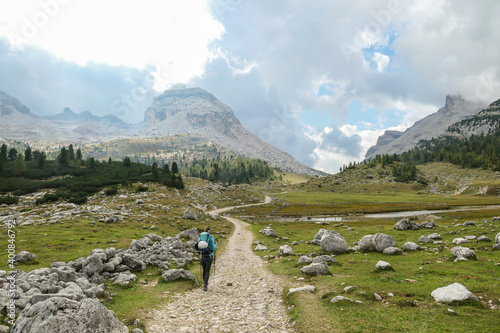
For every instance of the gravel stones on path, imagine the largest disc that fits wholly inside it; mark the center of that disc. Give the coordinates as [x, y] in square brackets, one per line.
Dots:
[251, 303]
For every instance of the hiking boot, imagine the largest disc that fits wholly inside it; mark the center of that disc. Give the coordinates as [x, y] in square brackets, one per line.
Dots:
[205, 287]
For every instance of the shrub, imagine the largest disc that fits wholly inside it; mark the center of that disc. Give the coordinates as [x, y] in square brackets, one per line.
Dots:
[141, 188]
[9, 200]
[111, 190]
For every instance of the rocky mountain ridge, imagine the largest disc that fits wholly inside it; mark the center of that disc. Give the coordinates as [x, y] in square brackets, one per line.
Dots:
[483, 122]
[434, 125]
[179, 111]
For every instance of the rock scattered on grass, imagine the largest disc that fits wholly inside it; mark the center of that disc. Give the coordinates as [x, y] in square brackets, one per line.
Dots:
[452, 292]
[307, 288]
[383, 266]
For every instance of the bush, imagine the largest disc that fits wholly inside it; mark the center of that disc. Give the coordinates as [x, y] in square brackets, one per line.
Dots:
[9, 200]
[78, 200]
[141, 188]
[111, 190]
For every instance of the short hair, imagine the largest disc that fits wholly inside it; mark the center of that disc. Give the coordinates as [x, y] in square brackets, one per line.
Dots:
[207, 228]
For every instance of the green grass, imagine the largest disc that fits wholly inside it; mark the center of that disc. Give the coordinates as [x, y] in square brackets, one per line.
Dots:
[411, 308]
[75, 237]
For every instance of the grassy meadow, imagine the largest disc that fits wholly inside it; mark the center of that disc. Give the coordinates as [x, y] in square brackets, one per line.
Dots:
[407, 305]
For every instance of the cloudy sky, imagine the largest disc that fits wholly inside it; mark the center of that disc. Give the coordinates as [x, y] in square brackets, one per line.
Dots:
[319, 79]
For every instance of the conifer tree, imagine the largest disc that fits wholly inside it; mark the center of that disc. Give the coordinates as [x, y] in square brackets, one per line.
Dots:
[27, 154]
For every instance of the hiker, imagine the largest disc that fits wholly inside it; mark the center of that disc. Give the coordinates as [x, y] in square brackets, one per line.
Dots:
[207, 257]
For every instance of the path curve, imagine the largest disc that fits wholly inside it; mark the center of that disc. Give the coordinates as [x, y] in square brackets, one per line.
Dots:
[243, 295]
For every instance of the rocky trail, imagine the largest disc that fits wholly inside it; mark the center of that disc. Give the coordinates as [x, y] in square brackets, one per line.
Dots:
[243, 295]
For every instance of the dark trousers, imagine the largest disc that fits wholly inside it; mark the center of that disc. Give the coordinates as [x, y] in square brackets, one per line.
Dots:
[206, 263]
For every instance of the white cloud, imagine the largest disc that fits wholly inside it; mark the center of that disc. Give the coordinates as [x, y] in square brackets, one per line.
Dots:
[381, 60]
[173, 36]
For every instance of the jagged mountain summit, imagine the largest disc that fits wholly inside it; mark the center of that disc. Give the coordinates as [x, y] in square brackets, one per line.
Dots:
[194, 114]
[197, 112]
[18, 123]
[433, 126]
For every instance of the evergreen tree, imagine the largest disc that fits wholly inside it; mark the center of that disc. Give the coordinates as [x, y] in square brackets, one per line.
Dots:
[110, 160]
[62, 158]
[19, 165]
[27, 154]
[175, 168]
[216, 171]
[166, 169]
[3, 152]
[79, 156]
[40, 158]
[127, 162]
[155, 172]
[71, 153]
[12, 154]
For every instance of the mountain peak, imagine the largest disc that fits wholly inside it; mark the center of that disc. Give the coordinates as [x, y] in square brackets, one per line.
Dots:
[434, 125]
[10, 105]
[190, 108]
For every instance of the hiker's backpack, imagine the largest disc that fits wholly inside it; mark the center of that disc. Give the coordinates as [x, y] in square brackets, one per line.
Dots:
[202, 246]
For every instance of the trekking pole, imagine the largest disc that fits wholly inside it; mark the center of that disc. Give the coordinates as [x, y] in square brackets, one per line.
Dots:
[215, 255]
[201, 272]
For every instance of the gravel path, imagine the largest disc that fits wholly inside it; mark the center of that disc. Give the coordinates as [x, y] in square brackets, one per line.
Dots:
[243, 296]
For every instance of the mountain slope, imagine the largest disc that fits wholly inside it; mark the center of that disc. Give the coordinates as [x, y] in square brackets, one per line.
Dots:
[432, 126]
[18, 123]
[195, 111]
[483, 122]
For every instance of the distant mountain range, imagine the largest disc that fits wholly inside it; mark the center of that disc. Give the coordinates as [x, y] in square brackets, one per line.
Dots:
[191, 112]
[435, 125]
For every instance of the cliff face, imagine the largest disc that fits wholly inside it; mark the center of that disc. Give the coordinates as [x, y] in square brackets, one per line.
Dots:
[195, 111]
[482, 123]
[432, 126]
[10, 106]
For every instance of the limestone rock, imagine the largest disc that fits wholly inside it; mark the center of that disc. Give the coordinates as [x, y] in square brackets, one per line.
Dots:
[24, 256]
[315, 269]
[285, 250]
[332, 241]
[63, 315]
[392, 250]
[260, 247]
[93, 265]
[463, 253]
[497, 238]
[326, 259]
[124, 278]
[191, 233]
[308, 288]
[406, 224]
[483, 238]
[410, 246]
[383, 266]
[378, 242]
[340, 298]
[188, 214]
[176, 274]
[304, 260]
[434, 236]
[452, 292]
[460, 240]
[424, 239]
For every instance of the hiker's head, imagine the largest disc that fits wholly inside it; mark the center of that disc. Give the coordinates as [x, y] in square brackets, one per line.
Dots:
[207, 229]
